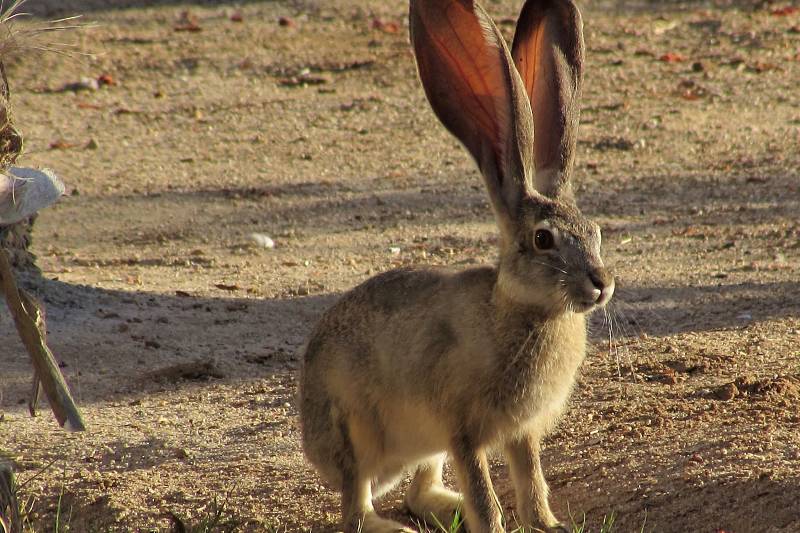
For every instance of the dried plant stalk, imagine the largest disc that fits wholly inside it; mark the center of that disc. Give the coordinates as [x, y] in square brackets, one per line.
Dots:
[22, 39]
[15, 237]
[32, 37]
[10, 139]
[10, 521]
[30, 324]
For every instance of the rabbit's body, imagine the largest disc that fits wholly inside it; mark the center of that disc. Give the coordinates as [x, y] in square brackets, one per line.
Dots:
[457, 355]
[415, 366]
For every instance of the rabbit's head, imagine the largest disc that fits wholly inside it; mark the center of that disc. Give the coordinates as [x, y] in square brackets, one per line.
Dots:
[494, 101]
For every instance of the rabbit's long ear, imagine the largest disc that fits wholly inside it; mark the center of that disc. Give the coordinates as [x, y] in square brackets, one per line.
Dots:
[474, 89]
[548, 53]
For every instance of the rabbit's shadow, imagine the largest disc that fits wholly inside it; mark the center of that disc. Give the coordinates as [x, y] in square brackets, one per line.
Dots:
[116, 345]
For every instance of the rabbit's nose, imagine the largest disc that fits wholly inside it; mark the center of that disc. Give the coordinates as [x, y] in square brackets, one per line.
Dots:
[596, 294]
[603, 283]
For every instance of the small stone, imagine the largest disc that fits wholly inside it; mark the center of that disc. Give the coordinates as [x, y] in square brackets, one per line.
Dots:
[84, 84]
[261, 240]
[726, 392]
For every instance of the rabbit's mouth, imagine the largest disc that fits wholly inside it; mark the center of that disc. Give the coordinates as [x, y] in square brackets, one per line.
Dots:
[595, 292]
[583, 307]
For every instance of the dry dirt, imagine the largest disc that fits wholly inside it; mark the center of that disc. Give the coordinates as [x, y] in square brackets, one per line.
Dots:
[178, 337]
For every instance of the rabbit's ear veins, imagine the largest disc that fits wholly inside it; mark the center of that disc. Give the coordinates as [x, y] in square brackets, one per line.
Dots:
[468, 76]
[548, 53]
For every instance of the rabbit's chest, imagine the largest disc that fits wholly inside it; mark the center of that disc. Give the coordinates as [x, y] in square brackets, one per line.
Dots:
[543, 374]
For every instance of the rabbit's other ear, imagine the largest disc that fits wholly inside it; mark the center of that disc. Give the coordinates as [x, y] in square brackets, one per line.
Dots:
[548, 53]
[469, 78]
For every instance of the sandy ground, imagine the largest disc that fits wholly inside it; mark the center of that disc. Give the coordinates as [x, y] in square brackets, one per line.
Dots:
[178, 336]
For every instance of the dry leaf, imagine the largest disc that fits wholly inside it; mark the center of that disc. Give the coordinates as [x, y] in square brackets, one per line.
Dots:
[672, 57]
[385, 26]
[187, 22]
[762, 66]
[61, 144]
[106, 79]
[303, 80]
[784, 11]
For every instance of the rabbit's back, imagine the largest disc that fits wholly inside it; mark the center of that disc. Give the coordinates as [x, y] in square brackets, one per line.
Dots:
[397, 331]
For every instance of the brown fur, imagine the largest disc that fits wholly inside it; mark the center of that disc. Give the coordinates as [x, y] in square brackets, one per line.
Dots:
[415, 365]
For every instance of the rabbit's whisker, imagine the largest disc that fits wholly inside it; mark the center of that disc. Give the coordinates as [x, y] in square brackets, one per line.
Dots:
[618, 320]
[550, 266]
[612, 347]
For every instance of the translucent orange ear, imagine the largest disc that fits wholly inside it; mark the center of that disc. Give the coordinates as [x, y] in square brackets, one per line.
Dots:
[468, 76]
[548, 53]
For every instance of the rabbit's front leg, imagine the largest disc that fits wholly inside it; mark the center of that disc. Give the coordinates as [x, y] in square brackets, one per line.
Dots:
[529, 484]
[481, 508]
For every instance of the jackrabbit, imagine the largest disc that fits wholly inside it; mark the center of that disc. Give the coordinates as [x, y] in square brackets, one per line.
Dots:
[417, 365]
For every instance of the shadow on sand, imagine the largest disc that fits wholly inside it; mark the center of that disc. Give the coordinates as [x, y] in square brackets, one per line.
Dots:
[156, 339]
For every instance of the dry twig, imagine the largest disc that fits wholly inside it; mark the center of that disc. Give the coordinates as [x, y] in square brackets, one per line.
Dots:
[10, 521]
[33, 37]
[30, 324]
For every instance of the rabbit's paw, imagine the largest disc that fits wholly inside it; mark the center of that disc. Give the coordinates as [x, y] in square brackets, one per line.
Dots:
[560, 527]
[375, 524]
[434, 501]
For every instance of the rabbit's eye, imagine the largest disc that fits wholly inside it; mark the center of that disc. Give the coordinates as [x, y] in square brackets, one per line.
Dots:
[543, 239]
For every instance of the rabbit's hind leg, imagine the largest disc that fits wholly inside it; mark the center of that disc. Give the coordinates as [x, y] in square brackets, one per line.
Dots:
[386, 482]
[359, 448]
[360, 515]
[427, 497]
